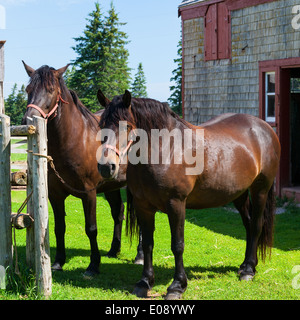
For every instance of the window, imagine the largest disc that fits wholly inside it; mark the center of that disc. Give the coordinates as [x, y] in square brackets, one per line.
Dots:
[217, 32]
[270, 96]
[295, 85]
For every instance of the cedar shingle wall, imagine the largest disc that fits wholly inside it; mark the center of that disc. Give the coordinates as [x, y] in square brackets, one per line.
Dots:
[215, 87]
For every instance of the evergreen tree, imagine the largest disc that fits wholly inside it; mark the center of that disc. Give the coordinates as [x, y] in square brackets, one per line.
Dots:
[175, 99]
[15, 105]
[116, 70]
[138, 87]
[102, 60]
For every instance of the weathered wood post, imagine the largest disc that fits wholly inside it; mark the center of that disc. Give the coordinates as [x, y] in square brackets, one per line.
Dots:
[37, 238]
[5, 195]
[2, 111]
[30, 253]
[40, 205]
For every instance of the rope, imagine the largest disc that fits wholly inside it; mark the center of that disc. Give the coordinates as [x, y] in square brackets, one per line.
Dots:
[51, 162]
[52, 165]
[17, 270]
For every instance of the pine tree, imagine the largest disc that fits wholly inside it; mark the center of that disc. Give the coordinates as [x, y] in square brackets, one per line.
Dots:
[138, 87]
[175, 99]
[15, 105]
[117, 72]
[102, 60]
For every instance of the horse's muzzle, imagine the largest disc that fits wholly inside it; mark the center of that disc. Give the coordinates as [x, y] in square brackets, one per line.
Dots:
[107, 171]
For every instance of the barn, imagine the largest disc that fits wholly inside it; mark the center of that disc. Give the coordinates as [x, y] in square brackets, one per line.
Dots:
[243, 56]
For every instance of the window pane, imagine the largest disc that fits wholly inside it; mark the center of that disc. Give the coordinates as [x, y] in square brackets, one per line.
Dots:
[271, 106]
[295, 85]
[271, 82]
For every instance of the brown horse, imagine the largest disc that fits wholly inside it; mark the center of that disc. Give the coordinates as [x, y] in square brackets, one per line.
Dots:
[72, 131]
[240, 158]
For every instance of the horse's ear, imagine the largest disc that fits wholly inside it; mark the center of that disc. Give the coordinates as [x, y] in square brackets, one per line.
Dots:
[30, 71]
[127, 99]
[102, 99]
[61, 71]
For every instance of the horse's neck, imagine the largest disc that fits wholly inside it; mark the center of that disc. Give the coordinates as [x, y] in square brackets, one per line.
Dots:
[61, 128]
[174, 123]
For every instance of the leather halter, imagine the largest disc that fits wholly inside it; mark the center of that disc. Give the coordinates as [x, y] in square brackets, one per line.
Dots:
[48, 115]
[117, 151]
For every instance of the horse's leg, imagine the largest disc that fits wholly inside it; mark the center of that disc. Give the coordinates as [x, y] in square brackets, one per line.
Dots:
[139, 259]
[146, 222]
[259, 199]
[57, 201]
[176, 215]
[243, 205]
[89, 206]
[117, 212]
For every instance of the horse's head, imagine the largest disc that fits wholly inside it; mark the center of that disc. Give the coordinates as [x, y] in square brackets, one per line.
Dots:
[44, 91]
[117, 124]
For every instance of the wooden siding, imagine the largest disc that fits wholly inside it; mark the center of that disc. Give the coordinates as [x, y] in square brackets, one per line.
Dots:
[258, 33]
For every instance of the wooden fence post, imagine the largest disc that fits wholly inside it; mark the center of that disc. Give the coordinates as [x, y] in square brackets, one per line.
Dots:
[40, 204]
[5, 194]
[30, 253]
[1, 76]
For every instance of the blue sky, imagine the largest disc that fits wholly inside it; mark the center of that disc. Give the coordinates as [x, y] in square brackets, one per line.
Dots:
[41, 32]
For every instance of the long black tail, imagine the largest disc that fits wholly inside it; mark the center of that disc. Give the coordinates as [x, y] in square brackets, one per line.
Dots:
[132, 228]
[266, 238]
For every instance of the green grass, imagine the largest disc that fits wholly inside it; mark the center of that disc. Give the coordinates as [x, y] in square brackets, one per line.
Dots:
[18, 156]
[214, 249]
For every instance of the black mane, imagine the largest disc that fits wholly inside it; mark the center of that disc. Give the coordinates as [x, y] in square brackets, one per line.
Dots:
[147, 113]
[42, 78]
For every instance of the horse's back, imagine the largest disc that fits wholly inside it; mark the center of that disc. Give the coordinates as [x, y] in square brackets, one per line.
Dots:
[238, 149]
[245, 128]
[235, 121]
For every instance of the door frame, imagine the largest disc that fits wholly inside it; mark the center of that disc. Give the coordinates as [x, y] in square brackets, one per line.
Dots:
[282, 112]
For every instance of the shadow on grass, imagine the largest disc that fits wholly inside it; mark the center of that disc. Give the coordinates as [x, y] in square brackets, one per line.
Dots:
[122, 274]
[221, 220]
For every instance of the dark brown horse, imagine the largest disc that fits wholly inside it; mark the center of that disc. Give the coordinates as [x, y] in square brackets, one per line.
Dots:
[239, 159]
[72, 131]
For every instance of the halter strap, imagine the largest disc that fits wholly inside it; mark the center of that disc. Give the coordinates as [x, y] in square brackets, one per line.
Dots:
[117, 151]
[48, 115]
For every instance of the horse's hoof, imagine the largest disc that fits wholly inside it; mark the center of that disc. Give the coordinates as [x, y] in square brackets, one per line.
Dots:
[89, 275]
[141, 292]
[56, 267]
[173, 296]
[112, 254]
[246, 276]
[139, 261]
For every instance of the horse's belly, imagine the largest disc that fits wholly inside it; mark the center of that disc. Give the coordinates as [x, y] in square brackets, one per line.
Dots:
[217, 191]
[210, 198]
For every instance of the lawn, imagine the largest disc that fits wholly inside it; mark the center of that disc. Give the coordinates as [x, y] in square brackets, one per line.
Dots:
[214, 249]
